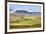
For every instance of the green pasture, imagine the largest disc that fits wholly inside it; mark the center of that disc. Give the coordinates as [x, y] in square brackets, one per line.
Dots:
[26, 22]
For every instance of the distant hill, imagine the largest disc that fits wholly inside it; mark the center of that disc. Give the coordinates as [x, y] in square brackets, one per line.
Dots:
[24, 12]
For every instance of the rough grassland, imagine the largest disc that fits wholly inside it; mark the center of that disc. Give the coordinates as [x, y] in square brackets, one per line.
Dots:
[25, 22]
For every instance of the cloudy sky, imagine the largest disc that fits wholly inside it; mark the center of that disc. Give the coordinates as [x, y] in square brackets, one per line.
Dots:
[29, 8]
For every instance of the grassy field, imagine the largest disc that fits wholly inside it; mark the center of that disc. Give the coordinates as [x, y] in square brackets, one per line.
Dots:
[25, 22]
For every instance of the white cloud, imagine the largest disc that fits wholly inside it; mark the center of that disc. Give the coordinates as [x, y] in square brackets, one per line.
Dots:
[20, 9]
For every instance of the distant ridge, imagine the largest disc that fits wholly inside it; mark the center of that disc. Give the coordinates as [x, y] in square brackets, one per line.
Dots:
[24, 12]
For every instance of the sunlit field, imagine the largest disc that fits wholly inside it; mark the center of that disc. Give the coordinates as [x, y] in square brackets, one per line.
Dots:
[17, 22]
